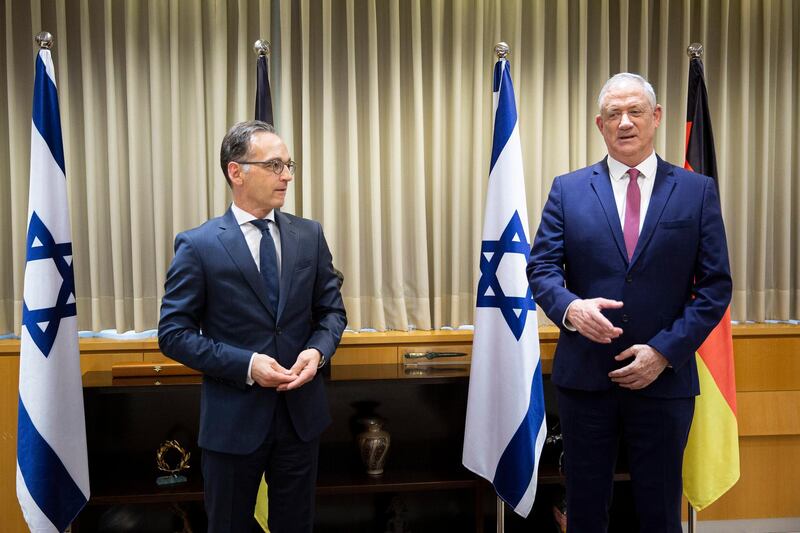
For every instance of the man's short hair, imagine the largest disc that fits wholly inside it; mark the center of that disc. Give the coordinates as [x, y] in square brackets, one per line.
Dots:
[623, 78]
[236, 143]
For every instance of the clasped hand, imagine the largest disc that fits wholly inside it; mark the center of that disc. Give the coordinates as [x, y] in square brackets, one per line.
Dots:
[647, 365]
[267, 372]
[587, 318]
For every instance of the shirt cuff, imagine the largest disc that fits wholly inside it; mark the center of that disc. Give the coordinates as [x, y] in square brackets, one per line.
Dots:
[249, 379]
[564, 320]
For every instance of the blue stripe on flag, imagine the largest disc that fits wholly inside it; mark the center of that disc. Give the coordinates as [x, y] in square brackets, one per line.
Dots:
[506, 115]
[517, 464]
[46, 478]
[45, 112]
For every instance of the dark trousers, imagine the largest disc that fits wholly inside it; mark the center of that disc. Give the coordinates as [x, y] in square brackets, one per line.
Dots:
[290, 466]
[654, 431]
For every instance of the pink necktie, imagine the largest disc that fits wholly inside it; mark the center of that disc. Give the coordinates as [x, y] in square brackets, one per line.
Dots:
[632, 201]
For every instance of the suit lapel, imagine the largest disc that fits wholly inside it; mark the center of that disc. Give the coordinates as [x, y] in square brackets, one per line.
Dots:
[232, 239]
[601, 183]
[289, 243]
[662, 190]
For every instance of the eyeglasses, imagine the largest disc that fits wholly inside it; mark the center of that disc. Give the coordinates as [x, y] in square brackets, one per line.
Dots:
[274, 165]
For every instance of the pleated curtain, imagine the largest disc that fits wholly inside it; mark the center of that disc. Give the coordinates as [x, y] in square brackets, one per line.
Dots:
[386, 106]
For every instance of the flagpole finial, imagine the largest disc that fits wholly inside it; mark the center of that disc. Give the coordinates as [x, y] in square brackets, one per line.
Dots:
[44, 40]
[261, 48]
[501, 50]
[695, 51]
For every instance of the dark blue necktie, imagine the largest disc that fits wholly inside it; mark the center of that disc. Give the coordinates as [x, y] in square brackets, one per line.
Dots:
[268, 263]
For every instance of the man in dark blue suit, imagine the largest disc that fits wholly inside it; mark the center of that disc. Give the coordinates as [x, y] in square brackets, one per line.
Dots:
[252, 301]
[631, 262]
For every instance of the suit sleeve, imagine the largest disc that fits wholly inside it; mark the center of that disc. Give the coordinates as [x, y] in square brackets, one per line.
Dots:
[180, 334]
[711, 291]
[328, 312]
[547, 262]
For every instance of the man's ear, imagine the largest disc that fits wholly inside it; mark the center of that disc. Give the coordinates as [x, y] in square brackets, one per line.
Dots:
[657, 114]
[599, 121]
[235, 172]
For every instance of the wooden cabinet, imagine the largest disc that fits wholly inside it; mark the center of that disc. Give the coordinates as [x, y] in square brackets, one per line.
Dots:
[424, 484]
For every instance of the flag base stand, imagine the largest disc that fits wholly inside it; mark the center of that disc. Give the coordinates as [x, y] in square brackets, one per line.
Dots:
[501, 517]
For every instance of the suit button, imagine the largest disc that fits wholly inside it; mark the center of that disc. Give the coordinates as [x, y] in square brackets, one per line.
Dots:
[625, 319]
[277, 331]
[628, 278]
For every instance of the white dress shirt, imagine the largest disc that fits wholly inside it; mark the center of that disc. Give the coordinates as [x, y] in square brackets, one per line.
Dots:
[253, 237]
[620, 179]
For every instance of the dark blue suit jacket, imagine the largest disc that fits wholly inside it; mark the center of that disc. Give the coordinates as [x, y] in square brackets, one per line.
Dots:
[215, 314]
[675, 289]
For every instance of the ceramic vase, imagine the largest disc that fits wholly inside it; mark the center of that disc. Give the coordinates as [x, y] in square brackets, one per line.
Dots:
[373, 444]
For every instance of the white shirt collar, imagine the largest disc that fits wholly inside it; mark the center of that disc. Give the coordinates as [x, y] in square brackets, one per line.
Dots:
[647, 168]
[243, 217]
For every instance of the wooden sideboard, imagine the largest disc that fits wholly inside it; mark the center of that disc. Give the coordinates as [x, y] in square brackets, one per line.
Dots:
[768, 392]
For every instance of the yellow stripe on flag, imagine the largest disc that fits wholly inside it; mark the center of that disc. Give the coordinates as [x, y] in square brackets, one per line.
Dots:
[711, 460]
[262, 508]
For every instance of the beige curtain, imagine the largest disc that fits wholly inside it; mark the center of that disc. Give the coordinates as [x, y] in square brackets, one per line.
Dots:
[386, 105]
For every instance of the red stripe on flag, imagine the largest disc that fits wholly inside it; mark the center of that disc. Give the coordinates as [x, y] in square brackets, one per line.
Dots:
[686, 164]
[717, 353]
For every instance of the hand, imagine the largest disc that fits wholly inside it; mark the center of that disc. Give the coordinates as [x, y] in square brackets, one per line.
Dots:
[646, 366]
[267, 372]
[585, 316]
[303, 370]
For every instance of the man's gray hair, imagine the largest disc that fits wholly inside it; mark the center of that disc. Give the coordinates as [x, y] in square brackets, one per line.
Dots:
[236, 143]
[621, 79]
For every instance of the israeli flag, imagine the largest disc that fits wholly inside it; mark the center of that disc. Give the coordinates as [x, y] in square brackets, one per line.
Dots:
[52, 467]
[505, 427]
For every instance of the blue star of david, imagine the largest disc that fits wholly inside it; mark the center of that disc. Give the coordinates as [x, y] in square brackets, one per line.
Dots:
[47, 248]
[512, 241]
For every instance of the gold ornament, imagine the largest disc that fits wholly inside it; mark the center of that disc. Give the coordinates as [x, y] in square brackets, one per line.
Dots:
[161, 460]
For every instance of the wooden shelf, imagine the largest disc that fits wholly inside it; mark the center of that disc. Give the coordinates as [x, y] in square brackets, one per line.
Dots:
[400, 480]
[145, 491]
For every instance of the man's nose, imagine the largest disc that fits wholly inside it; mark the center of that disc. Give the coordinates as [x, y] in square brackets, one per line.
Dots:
[625, 121]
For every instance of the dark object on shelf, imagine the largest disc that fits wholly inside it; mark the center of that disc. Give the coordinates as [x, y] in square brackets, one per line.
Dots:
[144, 519]
[432, 355]
[398, 516]
[560, 509]
[553, 451]
[373, 444]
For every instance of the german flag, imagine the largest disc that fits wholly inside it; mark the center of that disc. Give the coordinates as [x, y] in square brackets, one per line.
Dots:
[711, 460]
[264, 113]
